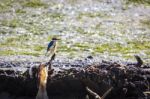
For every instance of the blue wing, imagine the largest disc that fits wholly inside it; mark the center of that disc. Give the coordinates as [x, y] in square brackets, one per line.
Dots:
[50, 45]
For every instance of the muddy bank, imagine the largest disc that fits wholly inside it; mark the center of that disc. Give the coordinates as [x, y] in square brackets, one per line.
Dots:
[108, 79]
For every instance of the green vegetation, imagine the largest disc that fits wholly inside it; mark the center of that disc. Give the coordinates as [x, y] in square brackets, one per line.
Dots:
[132, 47]
[49, 38]
[17, 41]
[20, 11]
[34, 3]
[34, 27]
[36, 30]
[12, 52]
[39, 47]
[23, 37]
[7, 52]
[5, 5]
[147, 2]
[11, 23]
[27, 25]
[80, 30]
[4, 31]
[91, 15]
[82, 46]
[97, 26]
[64, 48]
[72, 2]
[84, 32]
[140, 45]
[29, 53]
[56, 15]
[146, 22]
[102, 48]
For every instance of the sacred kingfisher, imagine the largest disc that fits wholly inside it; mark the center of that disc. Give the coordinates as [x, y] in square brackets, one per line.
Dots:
[52, 46]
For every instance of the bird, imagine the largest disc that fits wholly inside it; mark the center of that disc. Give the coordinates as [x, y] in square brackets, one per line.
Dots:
[52, 46]
[42, 81]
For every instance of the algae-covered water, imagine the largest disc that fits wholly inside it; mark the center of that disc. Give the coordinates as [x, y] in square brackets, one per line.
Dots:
[110, 29]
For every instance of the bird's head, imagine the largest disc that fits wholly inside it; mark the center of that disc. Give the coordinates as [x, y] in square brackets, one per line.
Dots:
[54, 38]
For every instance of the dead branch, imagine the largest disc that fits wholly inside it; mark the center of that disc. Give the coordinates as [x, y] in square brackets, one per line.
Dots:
[96, 95]
[53, 57]
[147, 92]
[93, 93]
[107, 92]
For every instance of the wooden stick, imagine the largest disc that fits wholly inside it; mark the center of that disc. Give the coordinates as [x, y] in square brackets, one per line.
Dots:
[96, 95]
[147, 92]
[139, 61]
[93, 93]
[107, 92]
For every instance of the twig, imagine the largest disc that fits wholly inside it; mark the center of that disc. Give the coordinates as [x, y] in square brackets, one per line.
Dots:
[87, 97]
[30, 72]
[107, 92]
[13, 70]
[93, 93]
[147, 92]
[96, 95]
[53, 57]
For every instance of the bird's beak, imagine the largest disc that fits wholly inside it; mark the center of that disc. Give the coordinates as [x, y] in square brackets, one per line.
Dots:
[58, 39]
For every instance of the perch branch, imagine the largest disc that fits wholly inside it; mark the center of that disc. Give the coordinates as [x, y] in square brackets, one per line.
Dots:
[139, 61]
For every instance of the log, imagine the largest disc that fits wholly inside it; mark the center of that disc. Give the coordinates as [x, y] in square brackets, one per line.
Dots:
[125, 80]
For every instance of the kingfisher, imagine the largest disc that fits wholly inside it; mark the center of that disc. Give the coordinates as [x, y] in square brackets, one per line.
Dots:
[52, 46]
